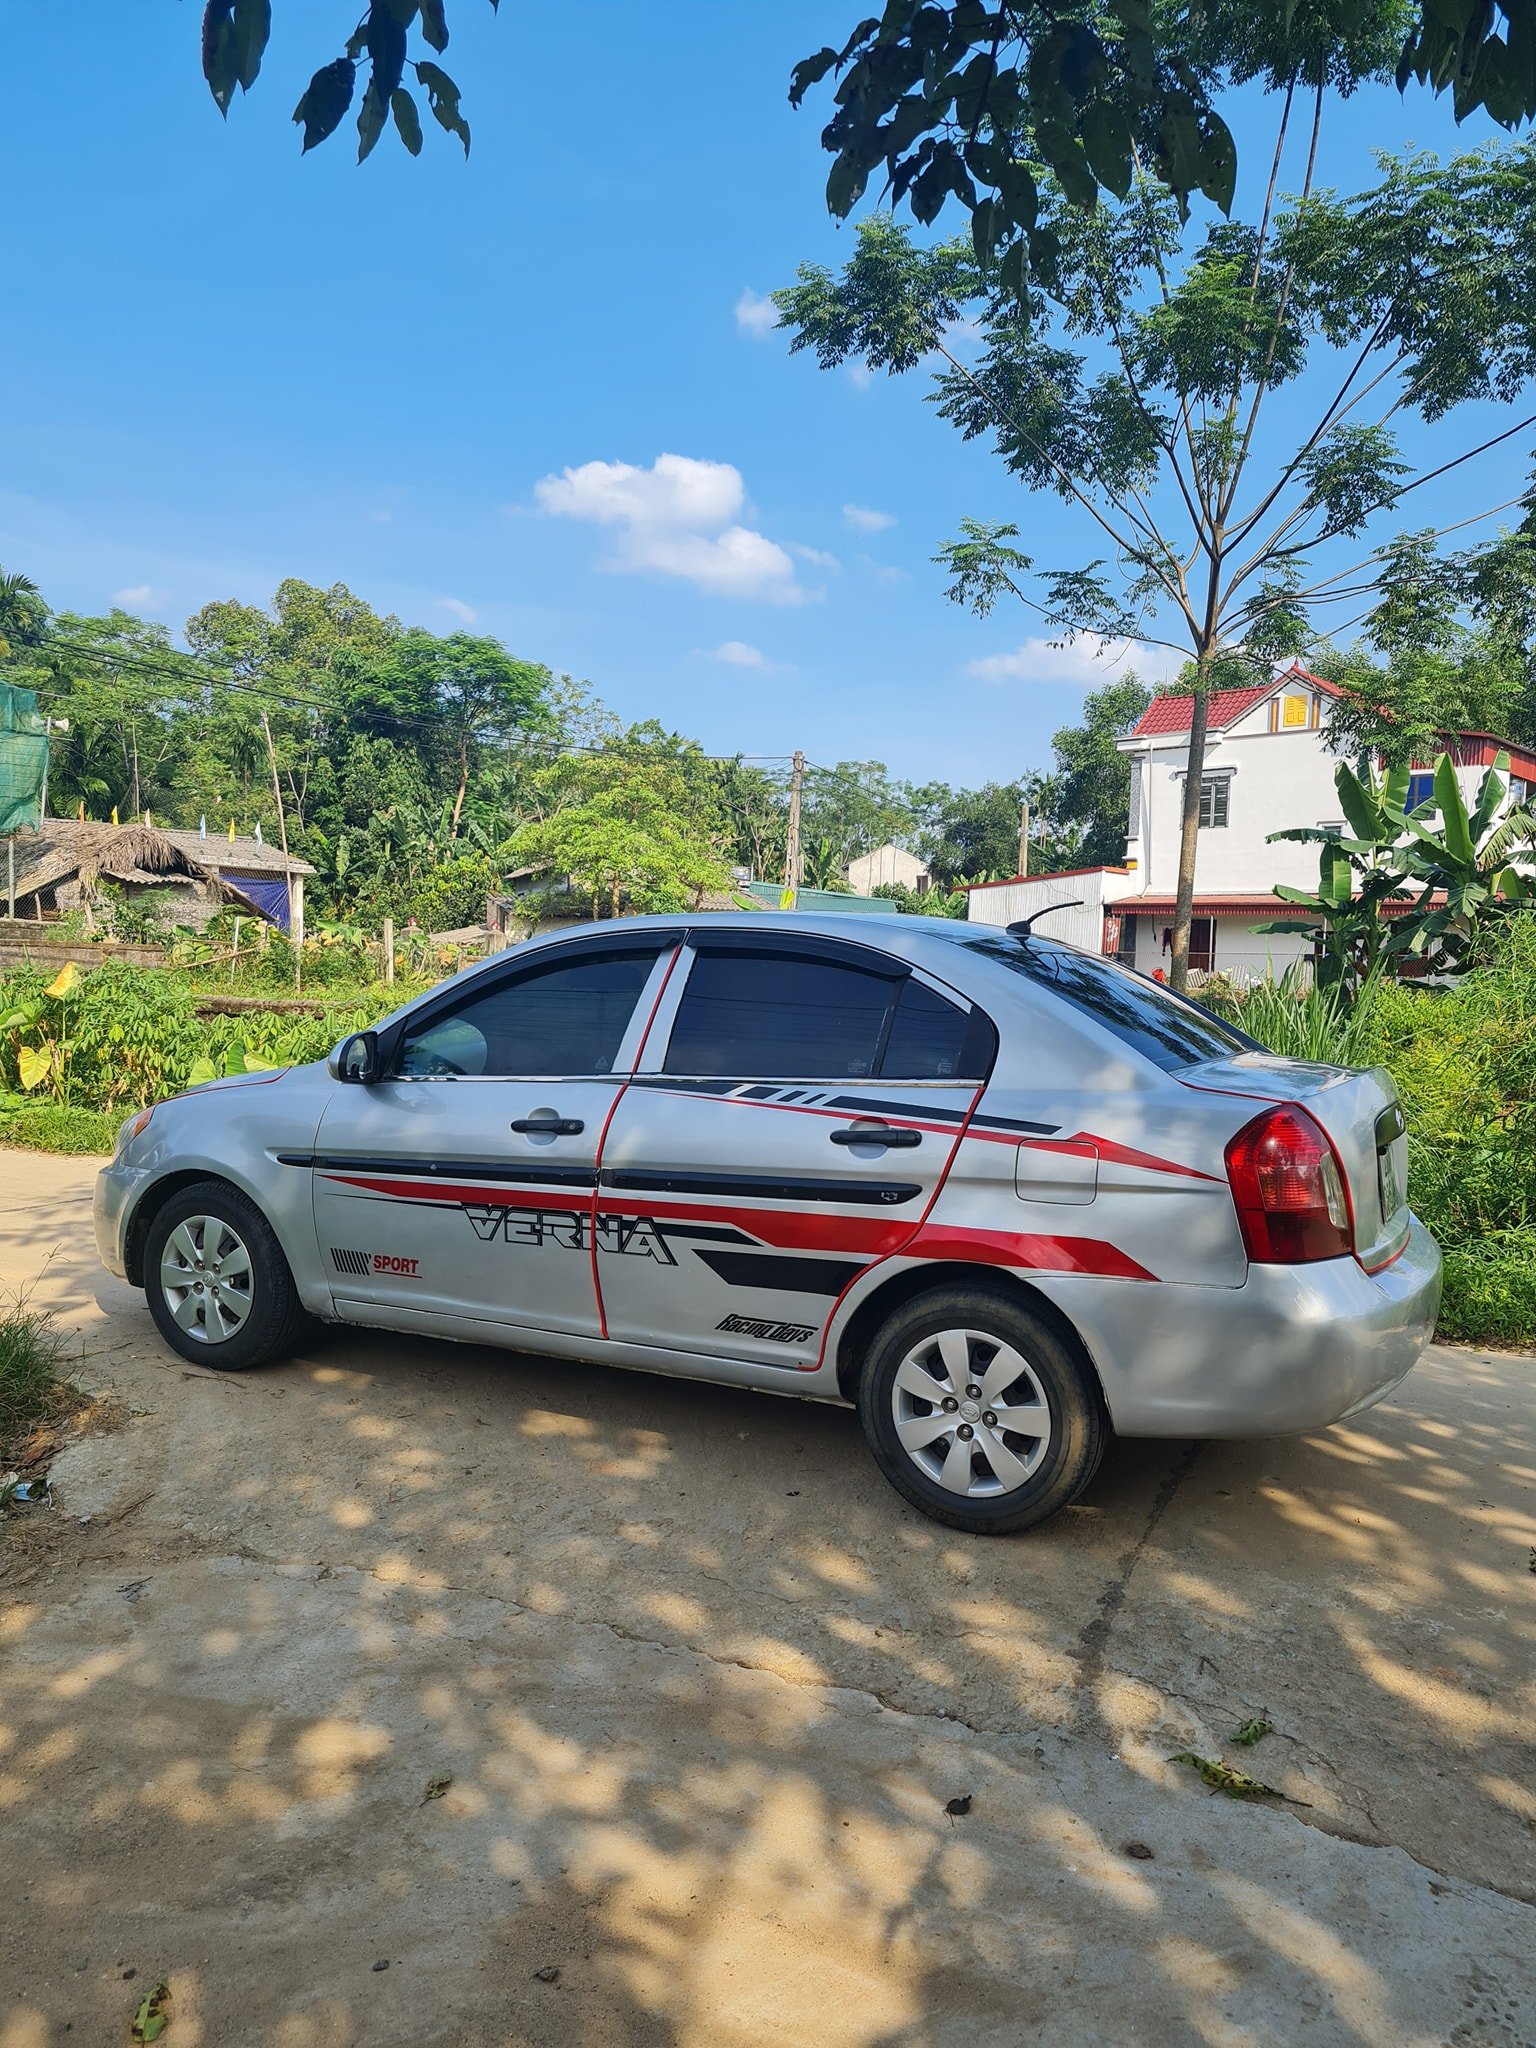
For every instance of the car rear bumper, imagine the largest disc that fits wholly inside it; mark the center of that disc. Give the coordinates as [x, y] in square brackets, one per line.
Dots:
[1294, 1348]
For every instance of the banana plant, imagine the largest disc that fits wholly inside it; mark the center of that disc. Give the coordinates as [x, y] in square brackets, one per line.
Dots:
[1464, 863]
[1358, 874]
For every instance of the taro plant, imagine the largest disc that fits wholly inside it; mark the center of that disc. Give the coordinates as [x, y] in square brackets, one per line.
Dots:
[37, 1037]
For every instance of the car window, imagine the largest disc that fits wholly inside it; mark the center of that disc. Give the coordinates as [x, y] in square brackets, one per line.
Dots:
[780, 1016]
[1165, 1028]
[567, 1017]
[933, 1039]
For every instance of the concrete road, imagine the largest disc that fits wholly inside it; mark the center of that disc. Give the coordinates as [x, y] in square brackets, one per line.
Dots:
[701, 1686]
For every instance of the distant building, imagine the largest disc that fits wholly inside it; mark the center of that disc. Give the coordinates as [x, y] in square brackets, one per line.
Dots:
[62, 866]
[1268, 767]
[888, 866]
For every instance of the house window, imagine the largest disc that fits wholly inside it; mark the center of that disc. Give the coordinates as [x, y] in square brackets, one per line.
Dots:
[1421, 788]
[1213, 799]
[1202, 945]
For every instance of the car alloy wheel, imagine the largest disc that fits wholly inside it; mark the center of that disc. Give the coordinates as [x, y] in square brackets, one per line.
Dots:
[206, 1278]
[971, 1413]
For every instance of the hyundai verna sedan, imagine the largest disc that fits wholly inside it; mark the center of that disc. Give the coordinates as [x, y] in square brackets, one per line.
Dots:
[1000, 1195]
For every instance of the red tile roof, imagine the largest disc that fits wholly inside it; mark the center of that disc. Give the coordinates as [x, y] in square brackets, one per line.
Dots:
[1173, 714]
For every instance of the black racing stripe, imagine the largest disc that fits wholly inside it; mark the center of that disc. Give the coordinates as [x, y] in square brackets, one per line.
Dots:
[874, 1194]
[1017, 1123]
[786, 1275]
[448, 1169]
[917, 1109]
[706, 1232]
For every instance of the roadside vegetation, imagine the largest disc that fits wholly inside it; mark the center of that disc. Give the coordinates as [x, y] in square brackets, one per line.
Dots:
[34, 1390]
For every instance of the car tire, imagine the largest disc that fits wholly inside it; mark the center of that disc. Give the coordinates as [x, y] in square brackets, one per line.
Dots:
[960, 1348]
[237, 1306]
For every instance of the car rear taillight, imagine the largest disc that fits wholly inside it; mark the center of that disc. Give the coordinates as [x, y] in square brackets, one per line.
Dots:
[1289, 1189]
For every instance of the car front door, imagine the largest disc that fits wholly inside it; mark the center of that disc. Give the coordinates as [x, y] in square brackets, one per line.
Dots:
[463, 1182]
[796, 1110]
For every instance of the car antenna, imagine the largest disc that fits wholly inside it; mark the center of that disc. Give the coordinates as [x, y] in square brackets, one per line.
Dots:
[1022, 928]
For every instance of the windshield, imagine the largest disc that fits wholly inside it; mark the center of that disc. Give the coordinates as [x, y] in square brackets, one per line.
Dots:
[1165, 1028]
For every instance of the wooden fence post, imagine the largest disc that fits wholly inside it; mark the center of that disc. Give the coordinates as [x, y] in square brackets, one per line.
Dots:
[389, 949]
[235, 955]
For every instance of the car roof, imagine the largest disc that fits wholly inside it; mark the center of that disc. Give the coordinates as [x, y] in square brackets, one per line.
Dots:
[872, 927]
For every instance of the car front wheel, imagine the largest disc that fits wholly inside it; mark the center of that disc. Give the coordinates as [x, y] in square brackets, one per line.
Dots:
[218, 1284]
[978, 1412]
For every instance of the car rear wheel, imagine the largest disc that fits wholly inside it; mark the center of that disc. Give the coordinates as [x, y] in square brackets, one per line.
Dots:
[217, 1282]
[978, 1412]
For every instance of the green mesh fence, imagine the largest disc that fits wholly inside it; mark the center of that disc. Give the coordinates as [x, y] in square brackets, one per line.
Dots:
[23, 758]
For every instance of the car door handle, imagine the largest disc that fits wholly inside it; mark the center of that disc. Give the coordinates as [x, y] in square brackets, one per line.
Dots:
[876, 1134]
[550, 1126]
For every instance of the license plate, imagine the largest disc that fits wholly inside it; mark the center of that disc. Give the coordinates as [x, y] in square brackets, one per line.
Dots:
[1390, 1175]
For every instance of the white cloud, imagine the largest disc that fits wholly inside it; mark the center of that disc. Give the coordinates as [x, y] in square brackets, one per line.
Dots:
[1086, 661]
[867, 520]
[741, 655]
[136, 596]
[677, 518]
[819, 556]
[466, 613]
[756, 315]
[859, 375]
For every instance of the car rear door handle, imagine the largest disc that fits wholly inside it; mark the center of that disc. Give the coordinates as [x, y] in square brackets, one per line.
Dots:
[550, 1126]
[877, 1134]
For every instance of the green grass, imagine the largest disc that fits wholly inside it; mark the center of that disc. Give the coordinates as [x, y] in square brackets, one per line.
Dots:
[59, 1127]
[31, 1387]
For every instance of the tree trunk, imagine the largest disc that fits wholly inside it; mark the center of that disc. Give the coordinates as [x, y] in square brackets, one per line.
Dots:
[458, 801]
[1189, 830]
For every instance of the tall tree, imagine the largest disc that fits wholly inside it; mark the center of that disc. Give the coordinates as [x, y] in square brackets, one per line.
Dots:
[1132, 379]
[969, 834]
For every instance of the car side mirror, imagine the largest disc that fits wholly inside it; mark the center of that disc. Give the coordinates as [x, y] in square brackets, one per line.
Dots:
[356, 1059]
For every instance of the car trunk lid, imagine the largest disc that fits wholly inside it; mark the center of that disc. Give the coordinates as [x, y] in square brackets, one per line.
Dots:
[1359, 1110]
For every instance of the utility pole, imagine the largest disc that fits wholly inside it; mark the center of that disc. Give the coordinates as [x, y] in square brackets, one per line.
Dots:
[1024, 839]
[792, 861]
[297, 937]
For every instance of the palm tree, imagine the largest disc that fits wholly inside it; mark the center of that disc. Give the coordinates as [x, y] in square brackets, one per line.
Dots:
[21, 613]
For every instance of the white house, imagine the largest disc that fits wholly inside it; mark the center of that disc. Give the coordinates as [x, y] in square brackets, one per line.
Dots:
[1268, 766]
[888, 864]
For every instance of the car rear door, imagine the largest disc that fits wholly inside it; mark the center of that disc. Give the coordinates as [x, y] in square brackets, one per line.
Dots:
[796, 1109]
[463, 1184]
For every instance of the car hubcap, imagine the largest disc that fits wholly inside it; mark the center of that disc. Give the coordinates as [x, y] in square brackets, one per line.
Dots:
[971, 1413]
[205, 1276]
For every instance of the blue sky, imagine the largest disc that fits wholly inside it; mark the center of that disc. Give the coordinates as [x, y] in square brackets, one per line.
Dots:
[449, 384]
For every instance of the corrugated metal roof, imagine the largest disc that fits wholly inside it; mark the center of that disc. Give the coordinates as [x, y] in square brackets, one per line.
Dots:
[1056, 875]
[242, 855]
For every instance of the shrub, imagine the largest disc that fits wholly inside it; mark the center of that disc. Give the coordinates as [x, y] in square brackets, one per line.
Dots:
[31, 1387]
[57, 1127]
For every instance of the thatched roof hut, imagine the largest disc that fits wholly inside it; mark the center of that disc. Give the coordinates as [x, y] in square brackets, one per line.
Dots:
[63, 865]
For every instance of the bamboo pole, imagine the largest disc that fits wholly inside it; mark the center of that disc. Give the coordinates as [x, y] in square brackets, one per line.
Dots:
[282, 832]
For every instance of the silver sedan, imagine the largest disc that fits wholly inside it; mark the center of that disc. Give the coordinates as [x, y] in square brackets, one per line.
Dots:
[1001, 1195]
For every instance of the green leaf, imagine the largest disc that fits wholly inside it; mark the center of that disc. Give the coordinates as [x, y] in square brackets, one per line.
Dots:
[152, 2015]
[407, 120]
[326, 100]
[845, 185]
[252, 27]
[443, 98]
[219, 51]
[434, 24]
[808, 72]
[370, 118]
[1358, 804]
[1454, 825]
[1225, 1777]
[385, 39]
[200, 1071]
[1253, 1731]
[1490, 795]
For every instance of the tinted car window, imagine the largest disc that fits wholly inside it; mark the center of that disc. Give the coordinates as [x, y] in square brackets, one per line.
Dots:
[568, 1017]
[774, 1016]
[1161, 1026]
[932, 1039]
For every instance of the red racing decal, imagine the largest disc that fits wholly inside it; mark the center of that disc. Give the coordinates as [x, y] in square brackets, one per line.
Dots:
[1027, 1248]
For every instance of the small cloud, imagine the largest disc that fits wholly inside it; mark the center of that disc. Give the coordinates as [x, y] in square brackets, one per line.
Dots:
[1085, 661]
[465, 613]
[867, 520]
[756, 315]
[860, 376]
[819, 556]
[883, 572]
[741, 655]
[136, 596]
[677, 518]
